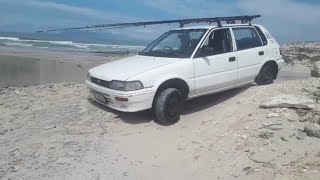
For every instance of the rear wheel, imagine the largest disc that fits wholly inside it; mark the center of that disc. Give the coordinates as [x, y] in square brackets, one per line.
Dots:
[267, 74]
[168, 106]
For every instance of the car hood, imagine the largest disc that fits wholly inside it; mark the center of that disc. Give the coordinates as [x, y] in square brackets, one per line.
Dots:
[124, 69]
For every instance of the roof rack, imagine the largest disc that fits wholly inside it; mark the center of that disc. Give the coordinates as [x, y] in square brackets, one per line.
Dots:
[181, 22]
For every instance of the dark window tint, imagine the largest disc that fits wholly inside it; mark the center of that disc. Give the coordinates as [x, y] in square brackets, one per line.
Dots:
[246, 38]
[218, 42]
[261, 34]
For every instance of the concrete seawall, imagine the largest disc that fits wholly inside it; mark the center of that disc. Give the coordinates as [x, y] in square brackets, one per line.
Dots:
[19, 71]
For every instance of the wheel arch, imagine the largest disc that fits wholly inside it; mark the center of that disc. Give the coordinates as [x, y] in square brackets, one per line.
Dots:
[272, 63]
[177, 83]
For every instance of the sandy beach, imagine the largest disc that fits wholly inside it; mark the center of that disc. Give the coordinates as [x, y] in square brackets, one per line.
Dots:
[54, 131]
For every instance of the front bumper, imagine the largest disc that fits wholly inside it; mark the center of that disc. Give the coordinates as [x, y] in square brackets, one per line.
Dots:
[137, 100]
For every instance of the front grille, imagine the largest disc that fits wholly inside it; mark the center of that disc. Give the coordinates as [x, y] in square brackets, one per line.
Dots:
[100, 82]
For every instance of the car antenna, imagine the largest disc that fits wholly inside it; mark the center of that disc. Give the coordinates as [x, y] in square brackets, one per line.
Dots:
[181, 22]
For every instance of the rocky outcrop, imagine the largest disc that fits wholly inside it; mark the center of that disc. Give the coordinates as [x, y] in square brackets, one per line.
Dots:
[289, 101]
[312, 130]
[315, 72]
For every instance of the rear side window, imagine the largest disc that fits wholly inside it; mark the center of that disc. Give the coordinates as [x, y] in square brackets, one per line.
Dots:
[261, 34]
[246, 38]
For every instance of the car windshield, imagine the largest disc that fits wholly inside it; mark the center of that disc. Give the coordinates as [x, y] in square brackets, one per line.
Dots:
[175, 44]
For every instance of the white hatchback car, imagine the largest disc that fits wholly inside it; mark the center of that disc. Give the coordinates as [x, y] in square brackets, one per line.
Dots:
[186, 63]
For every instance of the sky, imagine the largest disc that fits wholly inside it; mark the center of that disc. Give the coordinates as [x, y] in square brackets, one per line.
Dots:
[287, 20]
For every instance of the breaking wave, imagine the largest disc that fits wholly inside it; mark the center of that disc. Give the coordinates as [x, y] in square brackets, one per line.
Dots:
[65, 45]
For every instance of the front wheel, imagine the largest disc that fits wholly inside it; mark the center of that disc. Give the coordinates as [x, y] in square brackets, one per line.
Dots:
[267, 74]
[168, 106]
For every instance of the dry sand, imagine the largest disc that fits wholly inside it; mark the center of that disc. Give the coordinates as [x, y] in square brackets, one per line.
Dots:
[55, 132]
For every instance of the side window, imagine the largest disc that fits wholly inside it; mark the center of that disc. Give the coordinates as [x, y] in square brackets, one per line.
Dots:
[246, 38]
[261, 34]
[218, 42]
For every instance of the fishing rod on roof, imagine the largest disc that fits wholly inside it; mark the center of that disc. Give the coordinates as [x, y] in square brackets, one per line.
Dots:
[181, 22]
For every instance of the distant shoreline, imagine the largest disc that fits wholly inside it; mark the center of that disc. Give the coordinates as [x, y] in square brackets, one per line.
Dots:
[65, 45]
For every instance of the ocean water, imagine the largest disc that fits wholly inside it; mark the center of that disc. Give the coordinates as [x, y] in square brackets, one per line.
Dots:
[67, 45]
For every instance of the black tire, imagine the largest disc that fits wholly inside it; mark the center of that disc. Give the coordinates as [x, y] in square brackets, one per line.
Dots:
[168, 106]
[267, 74]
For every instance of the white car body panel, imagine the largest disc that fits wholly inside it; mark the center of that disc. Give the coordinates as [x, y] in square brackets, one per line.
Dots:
[215, 72]
[203, 75]
[123, 69]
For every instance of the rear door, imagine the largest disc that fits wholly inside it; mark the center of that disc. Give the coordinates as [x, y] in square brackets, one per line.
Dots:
[215, 63]
[250, 53]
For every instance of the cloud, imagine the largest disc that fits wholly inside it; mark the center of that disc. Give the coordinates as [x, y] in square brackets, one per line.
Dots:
[191, 8]
[289, 20]
[47, 14]
[82, 11]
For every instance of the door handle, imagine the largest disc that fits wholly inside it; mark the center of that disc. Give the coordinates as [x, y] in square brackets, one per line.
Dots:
[261, 53]
[232, 59]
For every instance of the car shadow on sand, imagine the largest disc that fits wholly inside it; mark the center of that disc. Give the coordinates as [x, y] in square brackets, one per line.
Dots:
[191, 106]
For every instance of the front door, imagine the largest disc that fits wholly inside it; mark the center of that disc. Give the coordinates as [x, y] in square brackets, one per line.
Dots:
[215, 63]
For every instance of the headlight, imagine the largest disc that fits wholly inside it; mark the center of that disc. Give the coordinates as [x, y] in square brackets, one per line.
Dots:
[133, 85]
[117, 85]
[126, 86]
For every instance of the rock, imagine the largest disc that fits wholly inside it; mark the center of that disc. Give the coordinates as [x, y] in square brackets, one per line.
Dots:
[266, 135]
[266, 143]
[292, 135]
[248, 170]
[269, 165]
[49, 127]
[244, 136]
[307, 117]
[291, 116]
[273, 115]
[280, 110]
[315, 119]
[289, 101]
[284, 138]
[312, 130]
[301, 135]
[315, 72]
[3, 131]
[63, 160]
[273, 126]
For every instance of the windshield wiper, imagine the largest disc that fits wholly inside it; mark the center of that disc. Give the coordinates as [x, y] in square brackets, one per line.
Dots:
[153, 53]
[162, 54]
